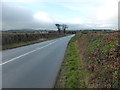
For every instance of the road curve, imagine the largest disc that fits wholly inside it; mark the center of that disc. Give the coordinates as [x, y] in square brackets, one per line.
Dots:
[33, 66]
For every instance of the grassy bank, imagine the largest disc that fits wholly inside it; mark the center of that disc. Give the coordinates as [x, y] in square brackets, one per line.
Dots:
[92, 61]
[72, 74]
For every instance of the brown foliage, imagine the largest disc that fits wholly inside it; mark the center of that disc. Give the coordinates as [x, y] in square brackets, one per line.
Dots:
[104, 67]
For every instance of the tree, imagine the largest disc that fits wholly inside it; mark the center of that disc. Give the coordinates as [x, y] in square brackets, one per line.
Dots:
[64, 27]
[58, 27]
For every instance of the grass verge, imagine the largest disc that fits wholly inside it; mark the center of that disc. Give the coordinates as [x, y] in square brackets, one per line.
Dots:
[92, 61]
[72, 74]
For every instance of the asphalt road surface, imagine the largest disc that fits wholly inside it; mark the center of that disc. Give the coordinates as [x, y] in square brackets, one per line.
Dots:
[33, 66]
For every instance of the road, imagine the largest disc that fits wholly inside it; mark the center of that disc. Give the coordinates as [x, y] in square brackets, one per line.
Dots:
[33, 66]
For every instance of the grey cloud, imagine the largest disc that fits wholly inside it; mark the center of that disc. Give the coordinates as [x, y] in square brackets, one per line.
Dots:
[14, 16]
[19, 17]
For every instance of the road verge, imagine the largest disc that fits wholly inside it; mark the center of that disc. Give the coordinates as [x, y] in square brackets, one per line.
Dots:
[92, 61]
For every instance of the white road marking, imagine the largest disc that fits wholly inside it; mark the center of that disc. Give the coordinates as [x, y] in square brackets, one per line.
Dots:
[21, 47]
[27, 53]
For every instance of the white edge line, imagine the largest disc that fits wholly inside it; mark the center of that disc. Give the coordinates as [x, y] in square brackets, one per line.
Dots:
[26, 53]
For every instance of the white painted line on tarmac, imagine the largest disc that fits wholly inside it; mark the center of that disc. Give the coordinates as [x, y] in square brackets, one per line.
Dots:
[27, 53]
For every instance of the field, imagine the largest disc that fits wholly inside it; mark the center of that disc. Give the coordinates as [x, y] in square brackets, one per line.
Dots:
[91, 61]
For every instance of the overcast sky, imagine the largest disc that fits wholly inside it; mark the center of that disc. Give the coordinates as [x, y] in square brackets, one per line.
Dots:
[43, 14]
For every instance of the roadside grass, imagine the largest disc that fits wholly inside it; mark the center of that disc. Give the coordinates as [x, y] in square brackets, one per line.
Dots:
[72, 66]
[72, 74]
[92, 61]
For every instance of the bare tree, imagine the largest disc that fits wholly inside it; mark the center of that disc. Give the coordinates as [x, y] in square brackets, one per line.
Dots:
[64, 28]
[58, 27]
